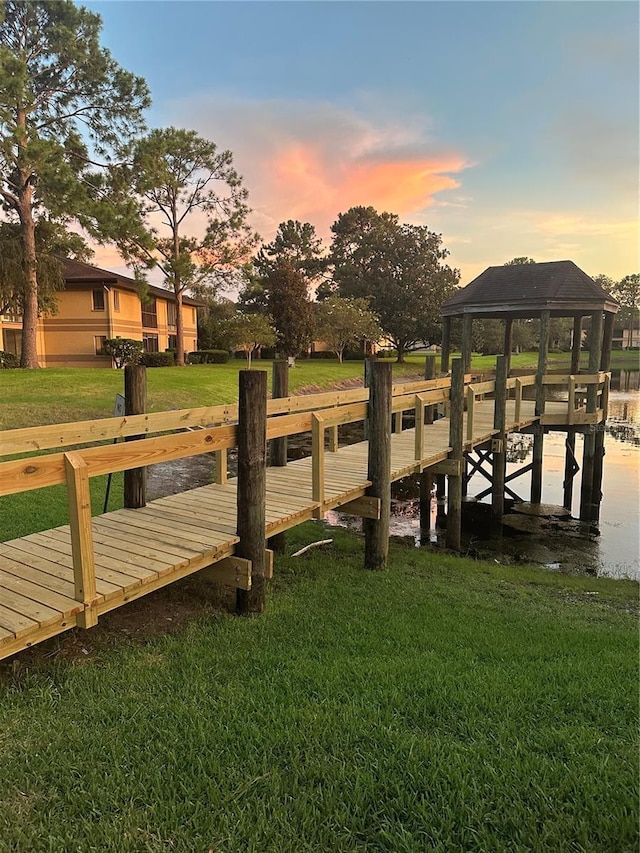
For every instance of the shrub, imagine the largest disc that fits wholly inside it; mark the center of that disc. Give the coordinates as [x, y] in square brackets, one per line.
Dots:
[8, 361]
[209, 356]
[123, 350]
[158, 359]
[324, 354]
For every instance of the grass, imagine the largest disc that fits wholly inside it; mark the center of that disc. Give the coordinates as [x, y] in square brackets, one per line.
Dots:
[445, 705]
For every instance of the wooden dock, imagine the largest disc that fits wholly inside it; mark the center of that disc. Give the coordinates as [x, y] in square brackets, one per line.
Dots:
[54, 580]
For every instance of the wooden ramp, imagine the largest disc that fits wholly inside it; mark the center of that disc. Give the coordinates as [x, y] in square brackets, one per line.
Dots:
[136, 551]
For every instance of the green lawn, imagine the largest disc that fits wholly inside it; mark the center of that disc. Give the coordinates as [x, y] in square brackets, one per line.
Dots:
[445, 705]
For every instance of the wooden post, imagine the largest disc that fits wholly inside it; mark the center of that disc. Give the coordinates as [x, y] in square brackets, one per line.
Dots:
[376, 532]
[429, 373]
[589, 491]
[570, 469]
[508, 341]
[599, 452]
[441, 500]
[279, 389]
[84, 571]
[135, 403]
[367, 384]
[467, 332]
[576, 343]
[446, 345]
[454, 504]
[543, 354]
[538, 435]
[607, 340]
[500, 441]
[426, 478]
[252, 482]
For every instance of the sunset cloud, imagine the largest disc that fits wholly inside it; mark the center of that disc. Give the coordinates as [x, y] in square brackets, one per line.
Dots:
[311, 161]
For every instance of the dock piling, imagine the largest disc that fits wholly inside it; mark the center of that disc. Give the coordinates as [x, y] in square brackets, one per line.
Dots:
[135, 403]
[454, 503]
[376, 531]
[252, 483]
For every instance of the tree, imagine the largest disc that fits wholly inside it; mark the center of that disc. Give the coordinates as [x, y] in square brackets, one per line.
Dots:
[399, 268]
[59, 92]
[52, 242]
[289, 305]
[343, 322]
[516, 262]
[252, 332]
[176, 176]
[295, 243]
[627, 292]
[216, 324]
[123, 350]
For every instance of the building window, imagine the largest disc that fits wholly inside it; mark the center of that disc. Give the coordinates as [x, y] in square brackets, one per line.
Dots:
[173, 342]
[98, 341]
[150, 316]
[98, 299]
[172, 315]
[13, 342]
[116, 300]
[150, 343]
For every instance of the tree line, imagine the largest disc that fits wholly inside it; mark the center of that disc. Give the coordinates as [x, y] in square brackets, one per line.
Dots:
[76, 158]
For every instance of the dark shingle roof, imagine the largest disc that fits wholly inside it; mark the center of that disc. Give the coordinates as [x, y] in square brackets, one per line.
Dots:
[77, 273]
[523, 290]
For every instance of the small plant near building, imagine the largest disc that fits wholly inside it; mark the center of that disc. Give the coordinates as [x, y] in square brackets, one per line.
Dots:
[123, 351]
[8, 360]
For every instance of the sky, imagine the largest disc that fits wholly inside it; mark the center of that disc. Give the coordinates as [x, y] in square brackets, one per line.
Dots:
[511, 128]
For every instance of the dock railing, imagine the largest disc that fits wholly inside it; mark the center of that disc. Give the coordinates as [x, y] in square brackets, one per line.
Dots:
[173, 435]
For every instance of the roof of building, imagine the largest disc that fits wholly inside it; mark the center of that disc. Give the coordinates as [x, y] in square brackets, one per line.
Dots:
[77, 273]
[524, 290]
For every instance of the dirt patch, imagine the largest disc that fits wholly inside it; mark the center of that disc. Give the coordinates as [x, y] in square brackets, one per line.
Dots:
[162, 613]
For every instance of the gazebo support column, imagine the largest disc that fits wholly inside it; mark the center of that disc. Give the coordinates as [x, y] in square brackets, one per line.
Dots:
[598, 464]
[508, 341]
[570, 465]
[426, 477]
[446, 345]
[538, 436]
[454, 505]
[467, 331]
[499, 455]
[588, 498]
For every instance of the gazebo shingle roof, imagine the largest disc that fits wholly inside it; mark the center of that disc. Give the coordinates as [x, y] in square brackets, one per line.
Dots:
[524, 290]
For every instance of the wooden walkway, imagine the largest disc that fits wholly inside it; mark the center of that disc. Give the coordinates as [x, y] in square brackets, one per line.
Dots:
[136, 551]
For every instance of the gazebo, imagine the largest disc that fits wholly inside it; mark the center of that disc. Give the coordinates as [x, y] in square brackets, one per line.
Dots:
[542, 291]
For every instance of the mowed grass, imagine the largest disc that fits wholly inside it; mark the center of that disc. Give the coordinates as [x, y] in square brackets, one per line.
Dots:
[445, 705]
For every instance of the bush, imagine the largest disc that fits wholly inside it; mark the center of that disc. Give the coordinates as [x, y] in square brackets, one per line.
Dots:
[8, 361]
[324, 354]
[123, 350]
[209, 356]
[158, 359]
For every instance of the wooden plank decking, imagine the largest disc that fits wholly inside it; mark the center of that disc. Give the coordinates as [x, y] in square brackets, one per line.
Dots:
[137, 551]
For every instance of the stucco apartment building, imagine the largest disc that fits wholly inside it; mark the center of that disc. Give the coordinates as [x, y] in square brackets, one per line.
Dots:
[95, 305]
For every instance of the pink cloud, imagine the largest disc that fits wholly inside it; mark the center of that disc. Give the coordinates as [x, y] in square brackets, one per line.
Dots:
[311, 161]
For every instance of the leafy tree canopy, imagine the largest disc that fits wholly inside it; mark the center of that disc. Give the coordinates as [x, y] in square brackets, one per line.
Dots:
[515, 262]
[295, 243]
[251, 332]
[187, 214]
[63, 99]
[343, 322]
[53, 242]
[399, 268]
[288, 303]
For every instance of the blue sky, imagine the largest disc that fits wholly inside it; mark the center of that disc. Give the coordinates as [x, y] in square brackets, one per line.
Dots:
[509, 127]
